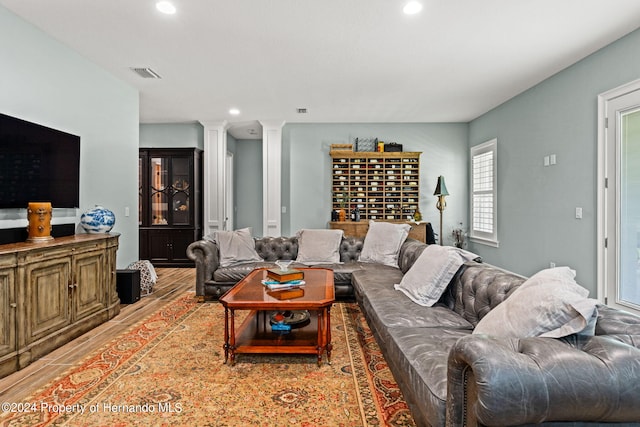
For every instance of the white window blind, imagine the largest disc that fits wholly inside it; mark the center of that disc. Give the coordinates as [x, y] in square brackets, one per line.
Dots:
[483, 192]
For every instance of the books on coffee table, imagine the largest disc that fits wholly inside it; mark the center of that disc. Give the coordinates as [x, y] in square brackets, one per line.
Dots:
[274, 284]
[281, 275]
[287, 293]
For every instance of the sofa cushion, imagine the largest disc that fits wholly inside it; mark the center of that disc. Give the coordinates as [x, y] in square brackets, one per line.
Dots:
[390, 308]
[383, 241]
[427, 279]
[342, 271]
[236, 246]
[548, 304]
[319, 246]
[418, 358]
[234, 273]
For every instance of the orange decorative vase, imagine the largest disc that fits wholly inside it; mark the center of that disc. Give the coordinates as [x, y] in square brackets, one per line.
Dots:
[39, 216]
[342, 215]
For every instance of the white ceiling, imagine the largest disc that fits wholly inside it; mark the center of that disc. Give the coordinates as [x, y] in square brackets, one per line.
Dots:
[343, 60]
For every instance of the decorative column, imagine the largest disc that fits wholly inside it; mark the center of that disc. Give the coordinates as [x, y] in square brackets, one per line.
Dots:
[272, 177]
[214, 188]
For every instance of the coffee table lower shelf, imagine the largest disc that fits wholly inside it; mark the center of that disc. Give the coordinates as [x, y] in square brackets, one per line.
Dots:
[255, 336]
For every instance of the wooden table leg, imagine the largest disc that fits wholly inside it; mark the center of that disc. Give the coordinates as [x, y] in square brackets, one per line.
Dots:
[232, 336]
[226, 335]
[329, 345]
[321, 337]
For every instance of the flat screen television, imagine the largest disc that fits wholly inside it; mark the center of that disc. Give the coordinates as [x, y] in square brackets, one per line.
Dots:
[38, 164]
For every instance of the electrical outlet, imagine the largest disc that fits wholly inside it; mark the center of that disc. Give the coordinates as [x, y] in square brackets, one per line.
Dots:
[552, 264]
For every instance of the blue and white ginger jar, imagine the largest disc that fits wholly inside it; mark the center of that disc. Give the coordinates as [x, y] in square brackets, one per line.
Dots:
[98, 220]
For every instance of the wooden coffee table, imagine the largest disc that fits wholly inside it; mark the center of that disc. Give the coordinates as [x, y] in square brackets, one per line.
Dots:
[255, 334]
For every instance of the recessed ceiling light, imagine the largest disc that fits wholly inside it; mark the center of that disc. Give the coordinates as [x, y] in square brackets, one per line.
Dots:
[166, 7]
[234, 111]
[412, 8]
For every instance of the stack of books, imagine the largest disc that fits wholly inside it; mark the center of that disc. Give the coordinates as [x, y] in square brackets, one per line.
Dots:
[284, 284]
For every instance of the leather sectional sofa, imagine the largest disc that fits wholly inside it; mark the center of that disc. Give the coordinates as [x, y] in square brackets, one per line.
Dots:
[450, 376]
[213, 280]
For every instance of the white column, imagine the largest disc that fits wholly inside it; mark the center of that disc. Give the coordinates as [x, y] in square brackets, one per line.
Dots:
[271, 177]
[215, 152]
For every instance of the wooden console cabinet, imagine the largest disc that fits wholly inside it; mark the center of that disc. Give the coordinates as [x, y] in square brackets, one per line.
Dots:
[359, 228]
[53, 292]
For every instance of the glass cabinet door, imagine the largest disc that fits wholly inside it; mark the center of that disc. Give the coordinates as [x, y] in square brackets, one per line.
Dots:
[170, 188]
[180, 191]
[159, 190]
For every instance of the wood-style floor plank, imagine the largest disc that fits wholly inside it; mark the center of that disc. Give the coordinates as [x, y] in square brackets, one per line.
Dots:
[172, 283]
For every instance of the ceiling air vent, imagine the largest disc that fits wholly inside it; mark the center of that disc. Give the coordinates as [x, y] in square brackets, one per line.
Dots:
[146, 73]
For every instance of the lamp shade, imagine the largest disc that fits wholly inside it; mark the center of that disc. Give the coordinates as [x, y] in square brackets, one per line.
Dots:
[441, 189]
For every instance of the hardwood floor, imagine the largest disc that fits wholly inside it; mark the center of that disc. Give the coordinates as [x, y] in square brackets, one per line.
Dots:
[172, 282]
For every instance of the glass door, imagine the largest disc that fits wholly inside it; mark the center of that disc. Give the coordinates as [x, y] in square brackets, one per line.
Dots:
[629, 210]
[623, 202]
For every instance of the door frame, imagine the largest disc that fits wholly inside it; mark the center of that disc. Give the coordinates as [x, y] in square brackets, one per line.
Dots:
[605, 226]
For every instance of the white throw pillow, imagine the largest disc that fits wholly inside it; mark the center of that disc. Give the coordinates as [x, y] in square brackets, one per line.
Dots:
[548, 304]
[319, 246]
[431, 273]
[383, 241]
[236, 247]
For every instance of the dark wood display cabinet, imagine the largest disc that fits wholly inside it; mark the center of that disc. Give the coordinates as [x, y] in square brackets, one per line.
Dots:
[170, 204]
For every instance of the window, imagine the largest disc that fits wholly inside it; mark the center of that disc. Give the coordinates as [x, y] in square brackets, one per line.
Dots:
[484, 160]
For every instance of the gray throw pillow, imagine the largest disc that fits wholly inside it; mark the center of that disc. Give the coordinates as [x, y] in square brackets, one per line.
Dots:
[431, 273]
[319, 246]
[383, 241]
[236, 247]
[548, 304]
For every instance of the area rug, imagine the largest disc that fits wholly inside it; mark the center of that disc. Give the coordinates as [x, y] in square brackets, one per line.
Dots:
[168, 371]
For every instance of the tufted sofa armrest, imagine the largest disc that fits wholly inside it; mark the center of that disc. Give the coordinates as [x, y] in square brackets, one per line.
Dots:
[205, 255]
[508, 381]
[612, 321]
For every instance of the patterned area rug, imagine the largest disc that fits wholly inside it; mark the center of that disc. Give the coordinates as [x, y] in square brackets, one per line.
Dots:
[169, 371]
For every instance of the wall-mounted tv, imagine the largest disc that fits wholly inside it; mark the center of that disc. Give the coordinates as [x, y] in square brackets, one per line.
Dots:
[38, 163]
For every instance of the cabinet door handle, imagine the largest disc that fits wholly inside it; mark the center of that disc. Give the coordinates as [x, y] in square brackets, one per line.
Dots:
[13, 305]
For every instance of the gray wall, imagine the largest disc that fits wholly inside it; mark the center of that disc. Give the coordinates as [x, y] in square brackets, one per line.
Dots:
[172, 135]
[536, 204]
[307, 168]
[45, 82]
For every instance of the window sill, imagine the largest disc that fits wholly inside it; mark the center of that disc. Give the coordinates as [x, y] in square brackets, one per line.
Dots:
[487, 242]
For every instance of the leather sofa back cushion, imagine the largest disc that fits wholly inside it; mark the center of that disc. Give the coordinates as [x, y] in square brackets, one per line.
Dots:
[477, 289]
[275, 248]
